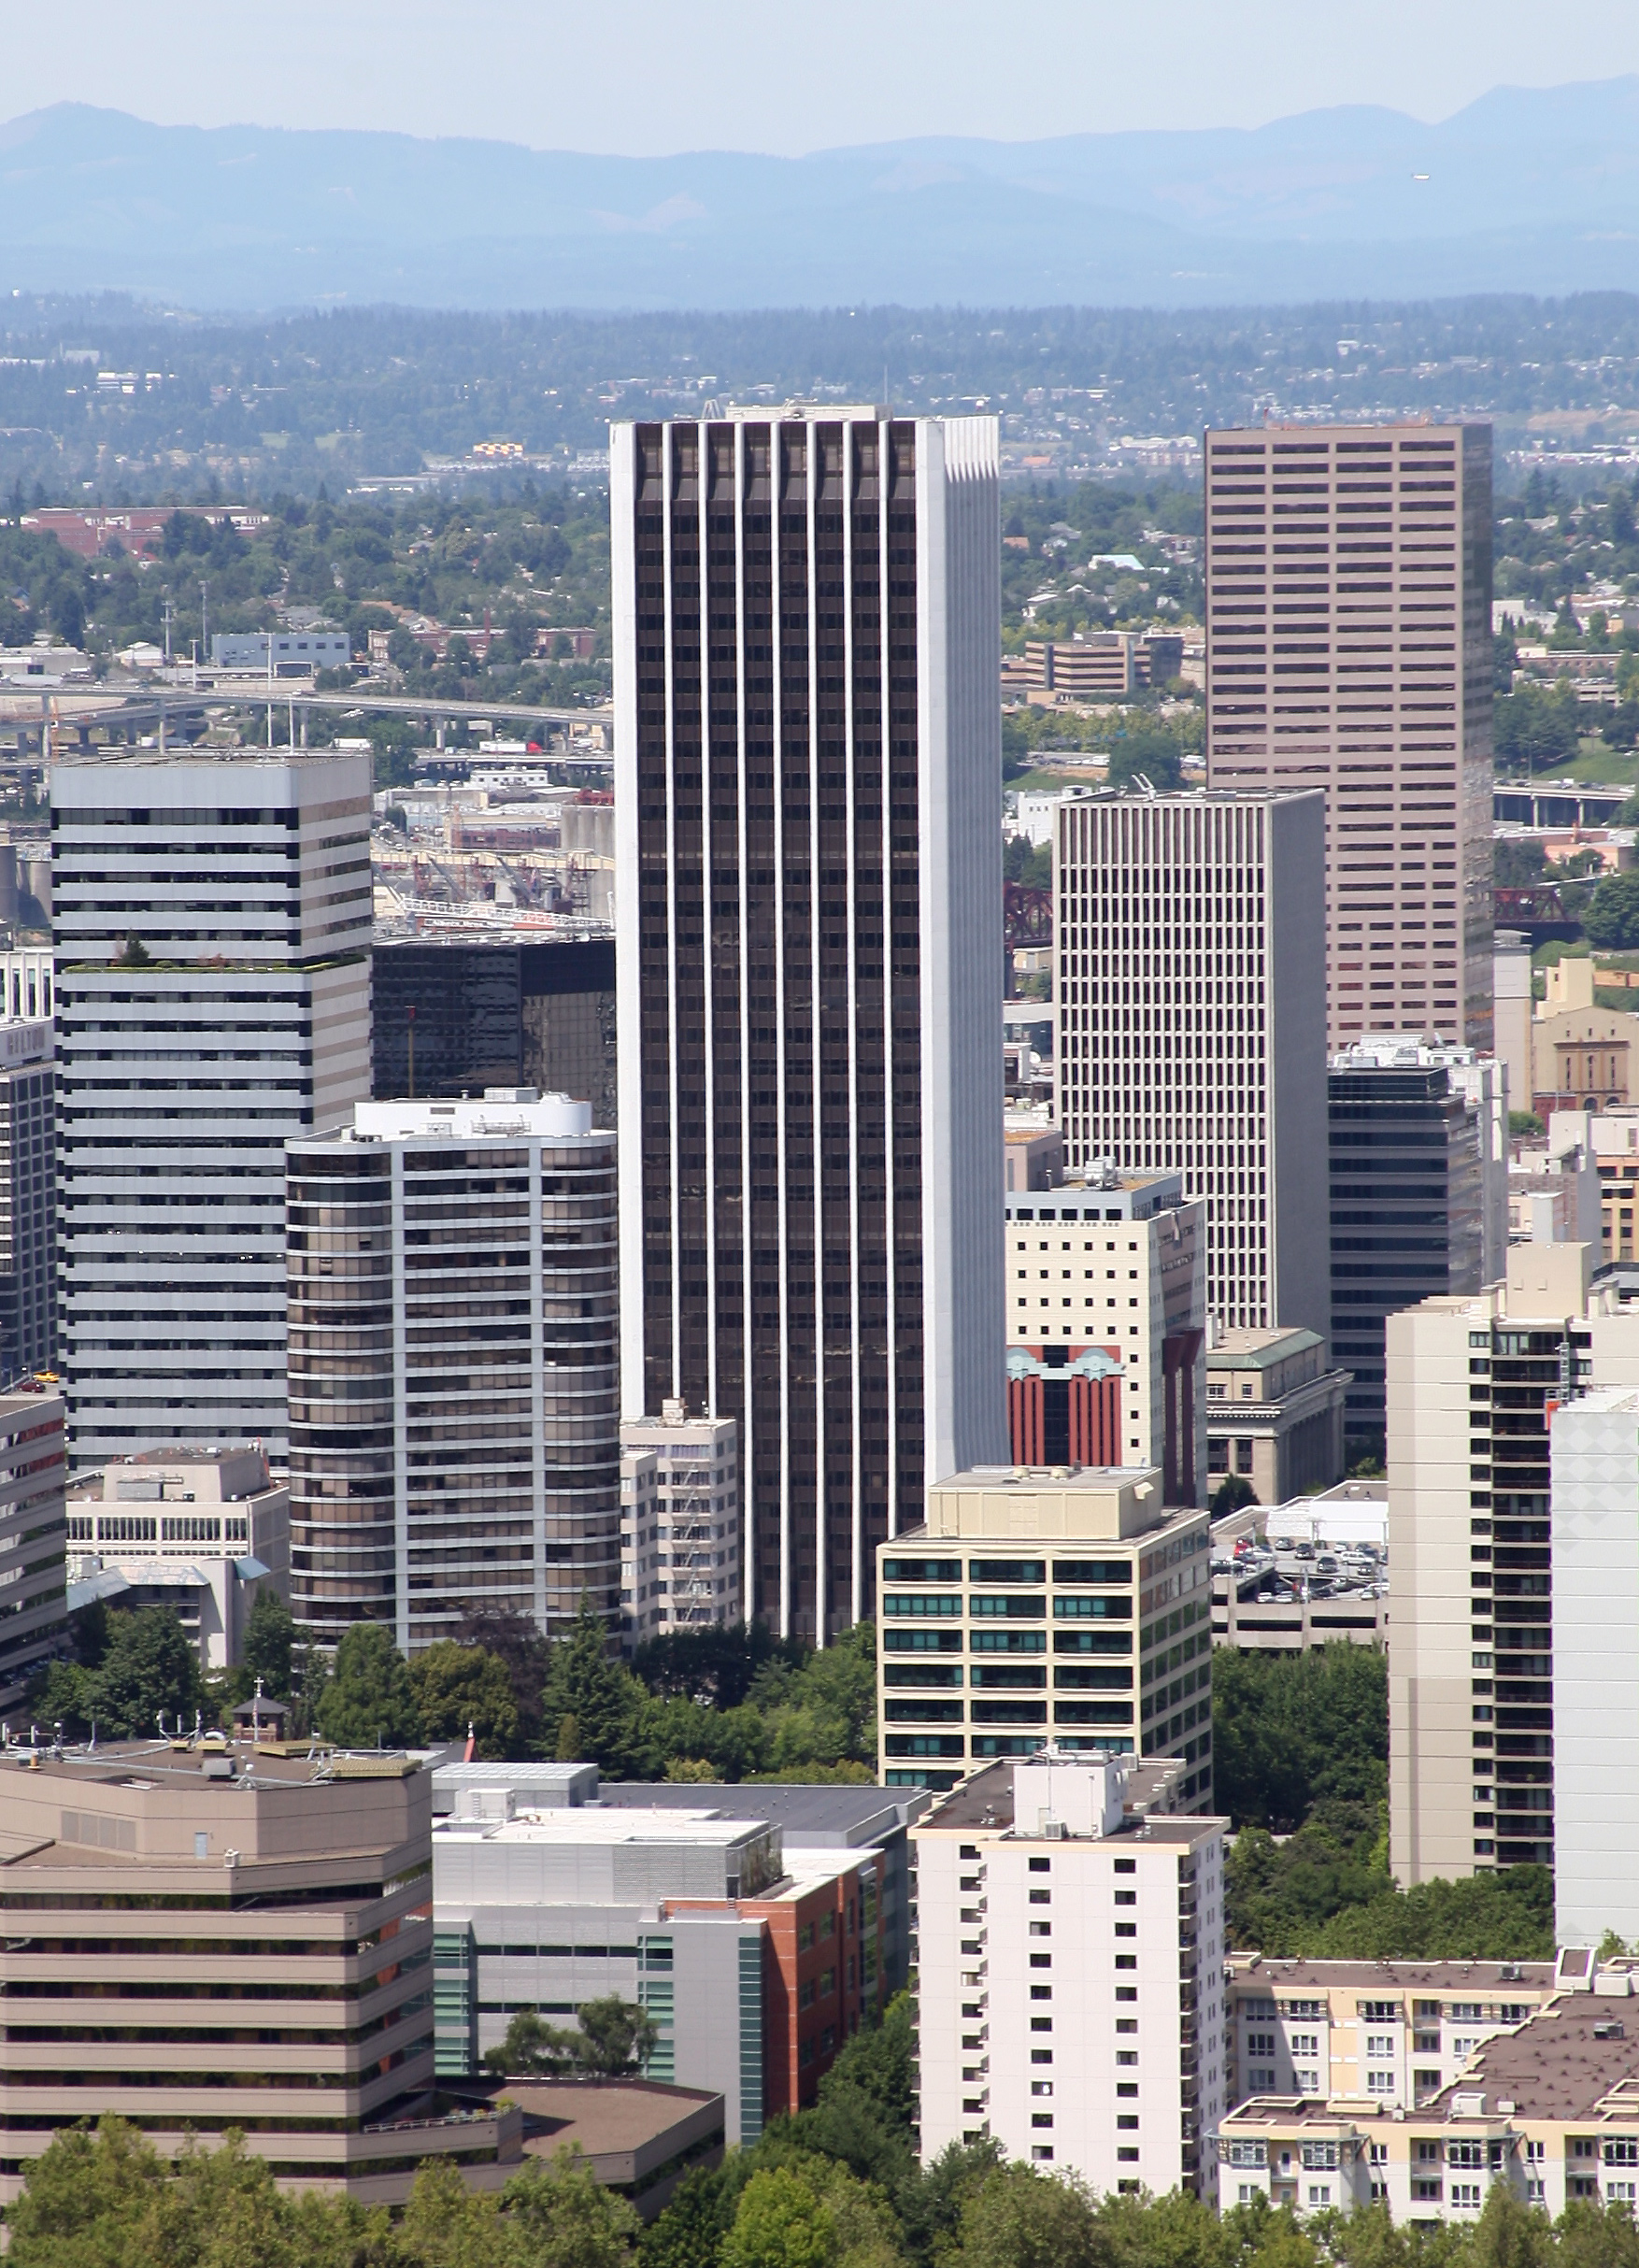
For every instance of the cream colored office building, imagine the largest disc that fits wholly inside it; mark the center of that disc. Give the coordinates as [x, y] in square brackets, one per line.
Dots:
[1472, 1384]
[1348, 640]
[1071, 1598]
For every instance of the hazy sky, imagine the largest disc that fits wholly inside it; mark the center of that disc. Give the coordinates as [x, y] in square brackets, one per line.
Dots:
[655, 76]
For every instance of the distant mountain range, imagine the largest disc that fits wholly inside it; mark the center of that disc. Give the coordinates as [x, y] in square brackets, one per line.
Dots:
[1524, 191]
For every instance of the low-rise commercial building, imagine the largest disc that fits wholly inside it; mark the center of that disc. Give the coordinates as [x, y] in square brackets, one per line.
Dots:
[1106, 1322]
[201, 1530]
[755, 1963]
[872, 1821]
[1275, 1412]
[1391, 2033]
[680, 1516]
[1071, 1943]
[1072, 1598]
[220, 1938]
[1548, 2108]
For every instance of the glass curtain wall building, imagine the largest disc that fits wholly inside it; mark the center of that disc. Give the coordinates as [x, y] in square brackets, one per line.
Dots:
[806, 617]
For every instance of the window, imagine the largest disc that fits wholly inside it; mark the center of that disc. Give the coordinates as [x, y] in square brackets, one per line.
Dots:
[1308, 2082]
[1305, 2043]
[1380, 2046]
[1319, 2192]
[1380, 2082]
[1319, 2156]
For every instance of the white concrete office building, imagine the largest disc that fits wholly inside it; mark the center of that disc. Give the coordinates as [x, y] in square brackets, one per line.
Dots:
[212, 921]
[454, 1435]
[1474, 1742]
[1069, 1958]
[1349, 643]
[1190, 938]
[807, 607]
[1594, 1447]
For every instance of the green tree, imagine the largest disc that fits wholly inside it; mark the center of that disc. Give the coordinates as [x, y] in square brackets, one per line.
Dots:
[457, 1686]
[1146, 752]
[616, 2037]
[1291, 1730]
[369, 1701]
[1020, 2218]
[1233, 1490]
[85, 2197]
[1612, 919]
[602, 1698]
[150, 1667]
[1536, 728]
[825, 1711]
[689, 2233]
[564, 2217]
[269, 1635]
[447, 2225]
[780, 2223]
[533, 2048]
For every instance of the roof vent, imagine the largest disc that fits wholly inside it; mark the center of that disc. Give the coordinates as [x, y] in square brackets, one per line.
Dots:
[1610, 2030]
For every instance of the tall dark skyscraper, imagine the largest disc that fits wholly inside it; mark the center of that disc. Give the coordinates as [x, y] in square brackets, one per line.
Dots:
[806, 615]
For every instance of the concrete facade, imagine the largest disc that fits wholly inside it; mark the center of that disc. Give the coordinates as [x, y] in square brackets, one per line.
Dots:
[1069, 1958]
[464, 1255]
[180, 1078]
[1544, 2107]
[1106, 1326]
[1594, 1446]
[203, 1532]
[33, 1532]
[680, 1523]
[1348, 642]
[1472, 1384]
[1071, 1598]
[1189, 933]
[1274, 1413]
[755, 1966]
[298, 1889]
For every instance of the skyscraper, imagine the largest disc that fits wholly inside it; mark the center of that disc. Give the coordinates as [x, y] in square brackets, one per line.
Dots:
[455, 1445]
[806, 615]
[212, 923]
[1348, 591]
[1190, 942]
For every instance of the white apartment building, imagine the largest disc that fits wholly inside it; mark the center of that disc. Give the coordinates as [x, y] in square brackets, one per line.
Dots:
[1594, 1444]
[1070, 1955]
[1348, 640]
[680, 1523]
[33, 1470]
[1067, 1598]
[805, 601]
[1190, 938]
[1547, 2107]
[203, 1532]
[1472, 1383]
[455, 1440]
[1389, 2033]
[1107, 1325]
[238, 1018]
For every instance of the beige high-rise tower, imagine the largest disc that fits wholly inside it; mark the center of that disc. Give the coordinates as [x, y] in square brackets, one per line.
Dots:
[1348, 599]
